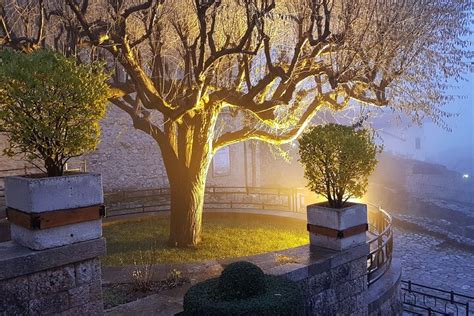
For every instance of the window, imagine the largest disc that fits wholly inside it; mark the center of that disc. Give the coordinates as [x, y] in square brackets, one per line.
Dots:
[221, 162]
[418, 143]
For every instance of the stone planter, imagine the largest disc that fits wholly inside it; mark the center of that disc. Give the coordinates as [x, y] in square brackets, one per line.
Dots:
[337, 229]
[52, 212]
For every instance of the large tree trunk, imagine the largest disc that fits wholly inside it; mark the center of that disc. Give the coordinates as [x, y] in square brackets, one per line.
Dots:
[187, 159]
[187, 199]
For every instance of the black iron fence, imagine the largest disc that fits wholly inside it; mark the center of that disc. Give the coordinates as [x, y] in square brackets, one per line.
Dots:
[420, 299]
[380, 243]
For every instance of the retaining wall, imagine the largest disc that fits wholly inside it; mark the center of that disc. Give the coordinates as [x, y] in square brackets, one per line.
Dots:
[64, 280]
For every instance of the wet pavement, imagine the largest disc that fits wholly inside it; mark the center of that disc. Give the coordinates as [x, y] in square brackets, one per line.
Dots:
[431, 261]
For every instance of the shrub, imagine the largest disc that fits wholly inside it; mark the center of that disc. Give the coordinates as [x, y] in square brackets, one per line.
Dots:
[241, 280]
[278, 296]
[338, 161]
[50, 106]
[143, 273]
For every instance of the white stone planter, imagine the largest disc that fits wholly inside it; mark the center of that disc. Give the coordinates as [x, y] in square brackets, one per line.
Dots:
[35, 195]
[329, 221]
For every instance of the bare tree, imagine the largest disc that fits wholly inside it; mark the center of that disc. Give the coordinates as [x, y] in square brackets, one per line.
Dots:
[270, 65]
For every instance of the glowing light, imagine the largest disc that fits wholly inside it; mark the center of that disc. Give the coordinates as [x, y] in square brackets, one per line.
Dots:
[356, 200]
[465, 176]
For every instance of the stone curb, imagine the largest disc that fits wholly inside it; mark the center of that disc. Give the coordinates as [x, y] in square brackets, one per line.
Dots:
[17, 260]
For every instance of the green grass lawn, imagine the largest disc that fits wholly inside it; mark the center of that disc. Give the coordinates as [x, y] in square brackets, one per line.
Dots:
[143, 240]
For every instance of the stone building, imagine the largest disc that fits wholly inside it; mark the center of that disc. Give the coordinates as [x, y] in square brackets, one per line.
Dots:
[129, 159]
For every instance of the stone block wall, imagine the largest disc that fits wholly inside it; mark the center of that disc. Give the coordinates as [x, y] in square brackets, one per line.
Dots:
[448, 186]
[335, 282]
[384, 295]
[129, 159]
[61, 281]
[341, 290]
[72, 289]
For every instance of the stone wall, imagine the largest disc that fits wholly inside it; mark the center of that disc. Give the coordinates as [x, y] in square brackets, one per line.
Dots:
[129, 159]
[62, 281]
[448, 186]
[7, 162]
[336, 285]
[384, 295]
[335, 282]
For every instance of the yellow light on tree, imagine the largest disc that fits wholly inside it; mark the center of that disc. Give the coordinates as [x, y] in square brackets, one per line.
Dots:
[269, 65]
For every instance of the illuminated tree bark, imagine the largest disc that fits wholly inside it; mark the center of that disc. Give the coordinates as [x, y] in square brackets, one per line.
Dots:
[187, 199]
[270, 65]
[187, 173]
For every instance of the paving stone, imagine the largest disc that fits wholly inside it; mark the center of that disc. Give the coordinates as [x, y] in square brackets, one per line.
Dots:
[430, 261]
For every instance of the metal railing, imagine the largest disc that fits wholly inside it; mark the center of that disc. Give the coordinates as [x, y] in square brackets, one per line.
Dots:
[426, 300]
[380, 245]
[261, 198]
[155, 200]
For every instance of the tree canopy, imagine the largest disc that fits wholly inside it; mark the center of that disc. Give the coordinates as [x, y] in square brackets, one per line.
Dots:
[338, 161]
[199, 75]
[275, 63]
[50, 107]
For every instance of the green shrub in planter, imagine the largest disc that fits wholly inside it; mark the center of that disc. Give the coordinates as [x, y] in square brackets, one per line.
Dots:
[50, 107]
[243, 289]
[338, 161]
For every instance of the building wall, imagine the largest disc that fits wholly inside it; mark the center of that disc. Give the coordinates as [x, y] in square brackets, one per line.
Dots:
[448, 186]
[7, 163]
[408, 142]
[129, 159]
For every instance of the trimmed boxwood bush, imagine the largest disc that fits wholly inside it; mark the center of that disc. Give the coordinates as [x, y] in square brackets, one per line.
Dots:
[241, 280]
[272, 295]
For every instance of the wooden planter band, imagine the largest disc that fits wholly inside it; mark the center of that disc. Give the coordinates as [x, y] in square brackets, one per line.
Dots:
[334, 233]
[35, 221]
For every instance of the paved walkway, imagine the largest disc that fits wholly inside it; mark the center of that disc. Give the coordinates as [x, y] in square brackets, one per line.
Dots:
[166, 303]
[431, 261]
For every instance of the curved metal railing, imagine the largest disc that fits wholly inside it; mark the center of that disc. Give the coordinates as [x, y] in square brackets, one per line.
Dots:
[155, 200]
[381, 243]
[264, 198]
